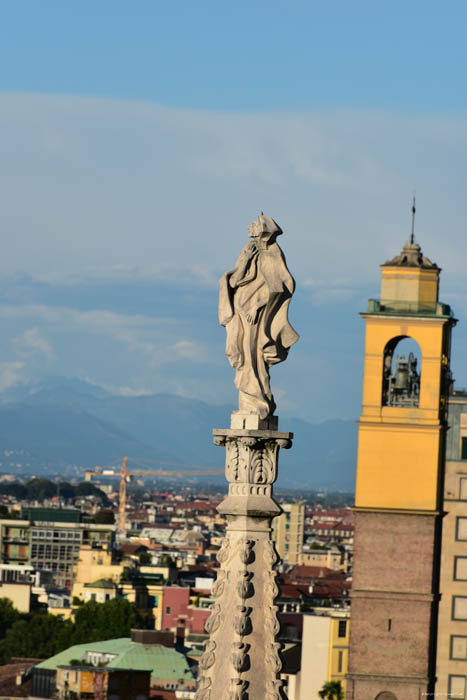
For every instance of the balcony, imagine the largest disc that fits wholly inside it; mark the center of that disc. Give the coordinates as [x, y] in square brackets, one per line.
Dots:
[417, 308]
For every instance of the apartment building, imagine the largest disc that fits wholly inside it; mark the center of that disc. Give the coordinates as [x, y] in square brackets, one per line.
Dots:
[451, 663]
[288, 531]
[50, 539]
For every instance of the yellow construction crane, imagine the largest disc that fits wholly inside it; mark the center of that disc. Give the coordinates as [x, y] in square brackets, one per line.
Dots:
[126, 477]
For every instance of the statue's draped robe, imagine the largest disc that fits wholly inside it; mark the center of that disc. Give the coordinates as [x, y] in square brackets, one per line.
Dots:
[253, 306]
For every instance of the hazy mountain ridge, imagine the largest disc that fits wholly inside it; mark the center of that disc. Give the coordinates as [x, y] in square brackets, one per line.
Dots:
[62, 421]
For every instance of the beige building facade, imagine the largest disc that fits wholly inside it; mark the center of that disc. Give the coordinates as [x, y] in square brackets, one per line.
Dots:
[50, 539]
[325, 648]
[288, 532]
[451, 668]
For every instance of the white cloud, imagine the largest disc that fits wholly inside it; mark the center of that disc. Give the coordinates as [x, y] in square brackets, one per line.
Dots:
[190, 350]
[11, 374]
[31, 342]
[118, 390]
[169, 191]
[156, 341]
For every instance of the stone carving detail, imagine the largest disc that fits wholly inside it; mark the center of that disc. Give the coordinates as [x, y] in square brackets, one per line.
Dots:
[203, 692]
[251, 460]
[254, 299]
[232, 461]
[273, 658]
[223, 553]
[238, 691]
[270, 621]
[208, 658]
[214, 620]
[246, 553]
[219, 586]
[242, 621]
[263, 464]
[245, 588]
[271, 557]
[271, 588]
[274, 691]
[240, 658]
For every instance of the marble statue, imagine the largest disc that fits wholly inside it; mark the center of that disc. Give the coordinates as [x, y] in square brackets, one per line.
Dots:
[253, 304]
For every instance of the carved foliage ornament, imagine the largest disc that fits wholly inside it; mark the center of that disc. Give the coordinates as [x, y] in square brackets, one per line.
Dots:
[219, 586]
[214, 620]
[223, 553]
[242, 621]
[204, 692]
[238, 691]
[208, 658]
[240, 658]
[252, 461]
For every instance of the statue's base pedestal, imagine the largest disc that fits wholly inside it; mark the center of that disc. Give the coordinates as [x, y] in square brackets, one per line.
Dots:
[251, 421]
[241, 659]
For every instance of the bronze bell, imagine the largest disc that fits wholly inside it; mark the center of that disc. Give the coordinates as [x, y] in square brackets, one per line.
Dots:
[402, 375]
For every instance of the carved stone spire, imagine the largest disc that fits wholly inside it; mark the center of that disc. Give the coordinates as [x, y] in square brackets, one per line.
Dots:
[241, 659]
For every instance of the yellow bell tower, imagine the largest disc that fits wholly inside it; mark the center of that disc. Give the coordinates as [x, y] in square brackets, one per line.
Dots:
[399, 484]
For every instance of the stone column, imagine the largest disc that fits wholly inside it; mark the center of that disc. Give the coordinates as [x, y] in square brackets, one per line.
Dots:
[241, 659]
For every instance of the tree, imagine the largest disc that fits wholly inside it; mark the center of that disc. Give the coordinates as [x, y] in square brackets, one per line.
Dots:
[105, 517]
[38, 635]
[145, 558]
[41, 635]
[66, 490]
[116, 618]
[332, 690]
[19, 491]
[86, 488]
[40, 489]
[8, 615]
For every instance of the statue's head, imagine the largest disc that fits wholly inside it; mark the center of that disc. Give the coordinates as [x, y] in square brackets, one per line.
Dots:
[264, 231]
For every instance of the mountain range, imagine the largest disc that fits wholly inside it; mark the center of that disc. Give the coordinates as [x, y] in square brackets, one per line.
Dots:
[60, 424]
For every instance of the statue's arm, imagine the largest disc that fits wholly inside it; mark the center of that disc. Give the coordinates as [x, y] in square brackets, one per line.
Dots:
[240, 274]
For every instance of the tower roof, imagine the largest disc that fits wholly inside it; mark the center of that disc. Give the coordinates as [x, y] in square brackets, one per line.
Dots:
[411, 256]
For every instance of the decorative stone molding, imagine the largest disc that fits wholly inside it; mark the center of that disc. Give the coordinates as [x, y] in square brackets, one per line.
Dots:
[242, 657]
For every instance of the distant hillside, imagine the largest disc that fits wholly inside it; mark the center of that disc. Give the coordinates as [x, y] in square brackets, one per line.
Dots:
[65, 421]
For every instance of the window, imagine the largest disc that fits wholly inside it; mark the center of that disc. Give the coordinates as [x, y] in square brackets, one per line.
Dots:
[459, 607]
[458, 648]
[460, 569]
[339, 661]
[464, 448]
[168, 610]
[456, 687]
[463, 488]
[342, 628]
[461, 529]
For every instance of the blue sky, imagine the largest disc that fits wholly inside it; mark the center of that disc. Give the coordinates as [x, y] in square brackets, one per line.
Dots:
[139, 139]
[246, 55]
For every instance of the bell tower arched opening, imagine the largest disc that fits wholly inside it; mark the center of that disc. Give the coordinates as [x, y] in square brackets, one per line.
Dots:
[401, 373]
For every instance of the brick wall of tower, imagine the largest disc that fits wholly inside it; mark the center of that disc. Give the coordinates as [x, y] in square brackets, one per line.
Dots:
[392, 604]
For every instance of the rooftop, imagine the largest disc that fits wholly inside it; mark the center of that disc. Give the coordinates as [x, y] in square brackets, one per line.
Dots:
[411, 256]
[162, 661]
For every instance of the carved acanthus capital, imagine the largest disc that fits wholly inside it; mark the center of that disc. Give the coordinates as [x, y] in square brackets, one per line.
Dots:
[252, 455]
